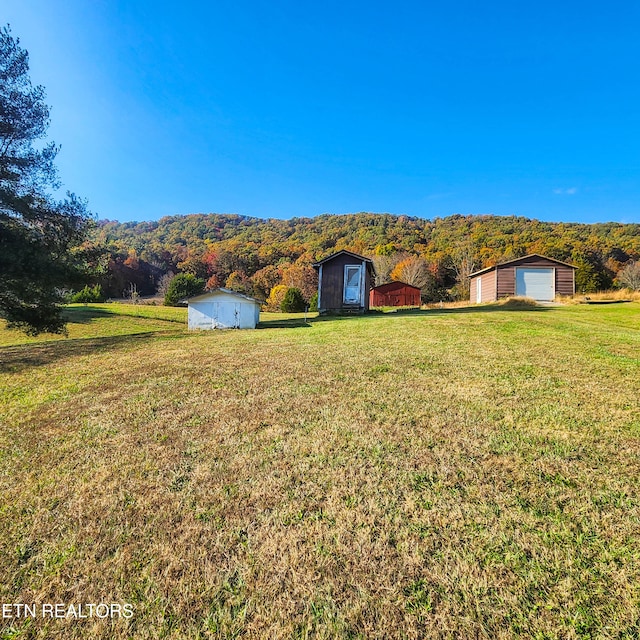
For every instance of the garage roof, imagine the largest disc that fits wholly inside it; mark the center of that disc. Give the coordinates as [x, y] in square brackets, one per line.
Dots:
[531, 255]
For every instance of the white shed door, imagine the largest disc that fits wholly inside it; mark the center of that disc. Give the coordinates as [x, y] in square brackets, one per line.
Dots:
[228, 315]
[213, 315]
[478, 290]
[535, 283]
[352, 283]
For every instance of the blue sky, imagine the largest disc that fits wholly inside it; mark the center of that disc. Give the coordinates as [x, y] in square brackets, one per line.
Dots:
[282, 109]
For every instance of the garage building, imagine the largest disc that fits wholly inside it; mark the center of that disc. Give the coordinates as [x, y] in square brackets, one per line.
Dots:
[533, 276]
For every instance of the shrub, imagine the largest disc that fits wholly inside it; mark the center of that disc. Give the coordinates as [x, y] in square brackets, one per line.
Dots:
[184, 285]
[292, 301]
[276, 296]
[313, 302]
[88, 294]
[591, 274]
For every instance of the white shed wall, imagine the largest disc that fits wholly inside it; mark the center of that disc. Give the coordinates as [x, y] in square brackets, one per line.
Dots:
[223, 311]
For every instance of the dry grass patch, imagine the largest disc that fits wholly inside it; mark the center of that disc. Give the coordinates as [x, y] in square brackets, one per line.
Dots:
[613, 294]
[444, 474]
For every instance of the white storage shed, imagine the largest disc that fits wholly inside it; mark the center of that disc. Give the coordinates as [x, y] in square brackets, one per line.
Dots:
[223, 309]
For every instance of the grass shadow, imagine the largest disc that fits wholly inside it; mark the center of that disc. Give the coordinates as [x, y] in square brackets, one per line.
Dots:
[85, 315]
[16, 358]
[489, 308]
[291, 323]
[480, 308]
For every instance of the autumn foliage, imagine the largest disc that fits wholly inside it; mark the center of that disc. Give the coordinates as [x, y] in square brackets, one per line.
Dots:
[253, 255]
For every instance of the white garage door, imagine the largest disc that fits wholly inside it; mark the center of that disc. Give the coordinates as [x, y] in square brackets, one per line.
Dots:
[535, 283]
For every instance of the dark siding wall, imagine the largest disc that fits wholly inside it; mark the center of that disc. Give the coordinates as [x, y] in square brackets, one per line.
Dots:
[333, 283]
[506, 281]
[565, 283]
[367, 287]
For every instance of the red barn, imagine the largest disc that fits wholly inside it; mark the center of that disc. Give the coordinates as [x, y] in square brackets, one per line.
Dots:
[394, 294]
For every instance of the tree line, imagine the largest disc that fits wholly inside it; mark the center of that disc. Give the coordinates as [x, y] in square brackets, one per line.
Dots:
[53, 250]
[254, 255]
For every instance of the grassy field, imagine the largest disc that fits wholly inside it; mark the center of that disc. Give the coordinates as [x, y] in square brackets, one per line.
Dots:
[453, 473]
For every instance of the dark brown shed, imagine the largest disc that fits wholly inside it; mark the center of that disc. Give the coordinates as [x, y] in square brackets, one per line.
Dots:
[395, 294]
[533, 276]
[344, 280]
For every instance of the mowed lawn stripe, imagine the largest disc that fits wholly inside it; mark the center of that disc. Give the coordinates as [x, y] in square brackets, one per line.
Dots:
[453, 473]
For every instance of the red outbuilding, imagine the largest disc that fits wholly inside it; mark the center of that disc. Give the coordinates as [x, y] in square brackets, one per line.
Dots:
[394, 294]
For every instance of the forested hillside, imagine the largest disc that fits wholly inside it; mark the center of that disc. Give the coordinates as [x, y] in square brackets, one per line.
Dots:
[254, 255]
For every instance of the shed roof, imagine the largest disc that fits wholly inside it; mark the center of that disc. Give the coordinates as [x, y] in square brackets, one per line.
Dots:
[355, 256]
[219, 291]
[338, 253]
[531, 255]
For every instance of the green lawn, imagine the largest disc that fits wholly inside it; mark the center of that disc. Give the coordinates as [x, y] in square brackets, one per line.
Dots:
[454, 473]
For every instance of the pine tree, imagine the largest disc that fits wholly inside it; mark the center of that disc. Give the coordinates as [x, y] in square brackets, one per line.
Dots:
[39, 236]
